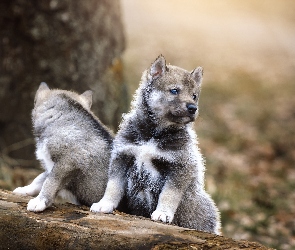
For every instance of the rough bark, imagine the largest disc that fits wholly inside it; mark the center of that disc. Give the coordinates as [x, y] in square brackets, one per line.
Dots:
[68, 44]
[66, 226]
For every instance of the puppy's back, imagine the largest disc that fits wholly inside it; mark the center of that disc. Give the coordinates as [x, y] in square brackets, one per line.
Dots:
[71, 133]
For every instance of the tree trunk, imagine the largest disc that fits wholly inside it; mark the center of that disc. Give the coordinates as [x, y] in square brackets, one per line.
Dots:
[74, 227]
[73, 45]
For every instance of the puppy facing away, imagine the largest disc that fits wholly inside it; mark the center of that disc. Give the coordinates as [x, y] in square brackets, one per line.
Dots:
[73, 147]
[156, 167]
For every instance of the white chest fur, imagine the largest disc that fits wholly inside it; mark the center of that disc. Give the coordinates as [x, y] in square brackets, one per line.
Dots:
[144, 155]
[43, 154]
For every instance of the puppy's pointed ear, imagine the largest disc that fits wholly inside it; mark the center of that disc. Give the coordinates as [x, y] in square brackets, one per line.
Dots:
[197, 75]
[43, 86]
[87, 98]
[158, 67]
[41, 93]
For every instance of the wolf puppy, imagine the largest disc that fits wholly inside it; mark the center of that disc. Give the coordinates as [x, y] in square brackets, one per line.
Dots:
[156, 164]
[73, 147]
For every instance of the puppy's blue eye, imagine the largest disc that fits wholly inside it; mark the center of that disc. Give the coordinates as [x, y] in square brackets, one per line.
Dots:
[174, 91]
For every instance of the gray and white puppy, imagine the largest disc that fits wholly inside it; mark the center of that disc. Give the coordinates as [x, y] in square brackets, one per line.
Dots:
[73, 147]
[156, 167]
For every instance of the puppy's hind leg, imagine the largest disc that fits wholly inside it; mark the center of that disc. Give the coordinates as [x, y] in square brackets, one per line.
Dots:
[53, 183]
[34, 188]
[198, 211]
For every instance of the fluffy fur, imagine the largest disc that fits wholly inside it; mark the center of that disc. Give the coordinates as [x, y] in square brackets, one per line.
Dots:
[156, 168]
[72, 146]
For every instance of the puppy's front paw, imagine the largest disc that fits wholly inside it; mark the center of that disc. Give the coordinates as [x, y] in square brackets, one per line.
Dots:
[36, 205]
[163, 216]
[102, 206]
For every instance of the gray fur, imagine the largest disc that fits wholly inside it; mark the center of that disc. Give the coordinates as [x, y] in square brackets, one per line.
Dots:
[156, 167]
[72, 146]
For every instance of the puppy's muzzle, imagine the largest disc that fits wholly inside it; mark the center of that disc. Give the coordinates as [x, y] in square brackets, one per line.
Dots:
[191, 108]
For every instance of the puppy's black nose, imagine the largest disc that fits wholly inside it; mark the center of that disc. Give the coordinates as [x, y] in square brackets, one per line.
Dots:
[191, 108]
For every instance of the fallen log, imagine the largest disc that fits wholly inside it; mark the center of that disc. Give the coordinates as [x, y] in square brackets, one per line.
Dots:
[66, 226]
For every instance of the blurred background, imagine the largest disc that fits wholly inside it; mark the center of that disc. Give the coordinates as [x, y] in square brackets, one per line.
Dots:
[247, 105]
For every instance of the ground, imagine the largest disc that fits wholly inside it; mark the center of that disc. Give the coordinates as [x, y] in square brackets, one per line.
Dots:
[67, 226]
